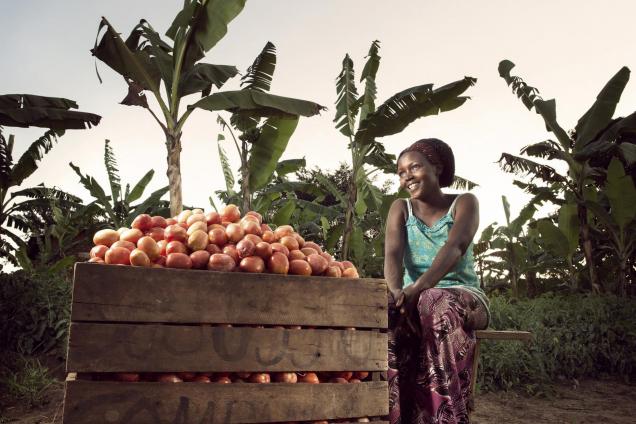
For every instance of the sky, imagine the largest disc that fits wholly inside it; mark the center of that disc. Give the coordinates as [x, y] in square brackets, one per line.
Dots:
[567, 49]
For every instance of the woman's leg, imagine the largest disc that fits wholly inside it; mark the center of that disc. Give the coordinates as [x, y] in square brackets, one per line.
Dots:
[442, 386]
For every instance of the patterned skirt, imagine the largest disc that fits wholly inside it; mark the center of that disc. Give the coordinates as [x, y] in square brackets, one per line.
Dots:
[430, 373]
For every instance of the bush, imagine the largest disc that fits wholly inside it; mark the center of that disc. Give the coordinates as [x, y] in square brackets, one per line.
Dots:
[573, 336]
[28, 383]
[34, 312]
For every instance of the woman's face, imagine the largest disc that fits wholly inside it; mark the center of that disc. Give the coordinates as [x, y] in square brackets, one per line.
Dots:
[417, 175]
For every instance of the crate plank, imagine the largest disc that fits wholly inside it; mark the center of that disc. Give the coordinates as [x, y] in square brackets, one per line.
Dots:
[185, 403]
[102, 347]
[132, 294]
[525, 336]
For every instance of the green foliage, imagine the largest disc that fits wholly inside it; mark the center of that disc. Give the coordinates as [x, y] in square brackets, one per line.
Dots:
[146, 61]
[34, 311]
[118, 207]
[598, 149]
[573, 336]
[27, 381]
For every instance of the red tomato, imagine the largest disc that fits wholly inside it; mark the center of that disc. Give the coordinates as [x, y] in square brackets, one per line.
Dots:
[106, 237]
[178, 260]
[142, 222]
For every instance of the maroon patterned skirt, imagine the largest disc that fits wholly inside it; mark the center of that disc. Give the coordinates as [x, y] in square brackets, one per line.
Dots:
[430, 373]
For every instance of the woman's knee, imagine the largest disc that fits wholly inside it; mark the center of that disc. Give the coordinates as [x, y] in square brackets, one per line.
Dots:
[431, 300]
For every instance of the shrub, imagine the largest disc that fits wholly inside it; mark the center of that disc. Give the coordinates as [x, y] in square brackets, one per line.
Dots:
[34, 312]
[29, 381]
[573, 336]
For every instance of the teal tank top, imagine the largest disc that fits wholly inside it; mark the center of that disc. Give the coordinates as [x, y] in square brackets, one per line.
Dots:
[423, 244]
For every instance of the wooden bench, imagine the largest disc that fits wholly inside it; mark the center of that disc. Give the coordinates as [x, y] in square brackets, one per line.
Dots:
[524, 336]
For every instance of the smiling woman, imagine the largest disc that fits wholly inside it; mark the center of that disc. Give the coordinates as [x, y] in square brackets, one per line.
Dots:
[437, 301]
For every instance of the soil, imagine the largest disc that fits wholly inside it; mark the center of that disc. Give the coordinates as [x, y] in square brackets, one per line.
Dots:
[590, 401]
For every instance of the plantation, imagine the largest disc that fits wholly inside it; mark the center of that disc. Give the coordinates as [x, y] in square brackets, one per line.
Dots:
[561, 264]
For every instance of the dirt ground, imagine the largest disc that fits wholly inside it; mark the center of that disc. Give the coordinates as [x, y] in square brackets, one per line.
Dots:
[591, 401]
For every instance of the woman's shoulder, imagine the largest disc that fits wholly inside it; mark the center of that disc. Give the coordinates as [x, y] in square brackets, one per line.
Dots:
[464, 202]
[399, 207]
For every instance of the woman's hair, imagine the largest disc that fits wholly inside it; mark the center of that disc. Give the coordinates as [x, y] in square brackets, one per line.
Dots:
[436, 153]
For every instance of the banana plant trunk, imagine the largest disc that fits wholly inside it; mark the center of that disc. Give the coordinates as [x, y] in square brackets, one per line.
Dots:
[514, 278]
[246, 195]
[349, 217]
[587, 247]
[173, 144]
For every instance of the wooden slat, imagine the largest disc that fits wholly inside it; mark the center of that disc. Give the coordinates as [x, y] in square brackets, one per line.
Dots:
[132, 294]
[184, 403]
[101, 347]
[503, 335]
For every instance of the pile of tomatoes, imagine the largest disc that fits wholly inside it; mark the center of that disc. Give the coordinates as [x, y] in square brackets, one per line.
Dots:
[215, 241]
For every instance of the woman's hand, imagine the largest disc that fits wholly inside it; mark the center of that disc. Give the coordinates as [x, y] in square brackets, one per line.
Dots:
[395, 294]
[407, 305]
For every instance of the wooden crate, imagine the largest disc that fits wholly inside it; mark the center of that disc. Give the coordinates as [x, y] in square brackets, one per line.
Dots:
[127, 319]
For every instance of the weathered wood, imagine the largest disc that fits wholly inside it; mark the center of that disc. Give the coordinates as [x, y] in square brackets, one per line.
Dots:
[525, 336]
[132, 294]
[184, 403]
[101, 347]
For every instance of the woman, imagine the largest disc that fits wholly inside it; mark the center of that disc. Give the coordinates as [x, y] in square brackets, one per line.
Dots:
[437, 300]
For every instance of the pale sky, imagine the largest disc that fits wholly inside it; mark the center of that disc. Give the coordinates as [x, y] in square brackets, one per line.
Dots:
[566, 48]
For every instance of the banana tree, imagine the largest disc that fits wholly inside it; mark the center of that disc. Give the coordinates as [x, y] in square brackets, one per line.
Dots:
[146, 61]
[118, 207]
[259, 143]
[25, 110]
[595, 132]
[358, 119]
[619, 193]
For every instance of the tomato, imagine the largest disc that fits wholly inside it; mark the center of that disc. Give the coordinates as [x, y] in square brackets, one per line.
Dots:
[221, 262]
[299, 267]
[169, 378]
[142, 222]
[350, 273]
[253, 238]
[117, 256]
[245, 248]
[309, 377]
[200, 259]
[342, 374]
[127, 377]
[289, 242]
[106, 237]
[261, 378]
[308, 251]
[162, 245]
[186, 376]
[197, 226]
[217, 236]
[253, 264]
[264, 250]
[318, 264]
[285, 377]
[178, 260]
[251, 227]
[149, 247]
[98, 251]
[268, 236]
[314, 246]
[96, 260]
[333, 271]
[231, 251]
[278, 263]
[258, 216]
[277, 247]
[213, 248]
[183, 216]
[299, 239]
[158, 221]
[283, 230]
[360, 375]
[175, 233]
[234, 233]
[170, 221]
[231, 213]
[213, 218]
[125, 244]
[139, 258]
[198, 240]
[175, 247]
[296, 255]
[196, 217]
[156, 233]
[201, 379]
[327, 256]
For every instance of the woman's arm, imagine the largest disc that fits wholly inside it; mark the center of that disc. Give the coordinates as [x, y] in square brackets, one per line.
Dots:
[460, 236]
[394, 242]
